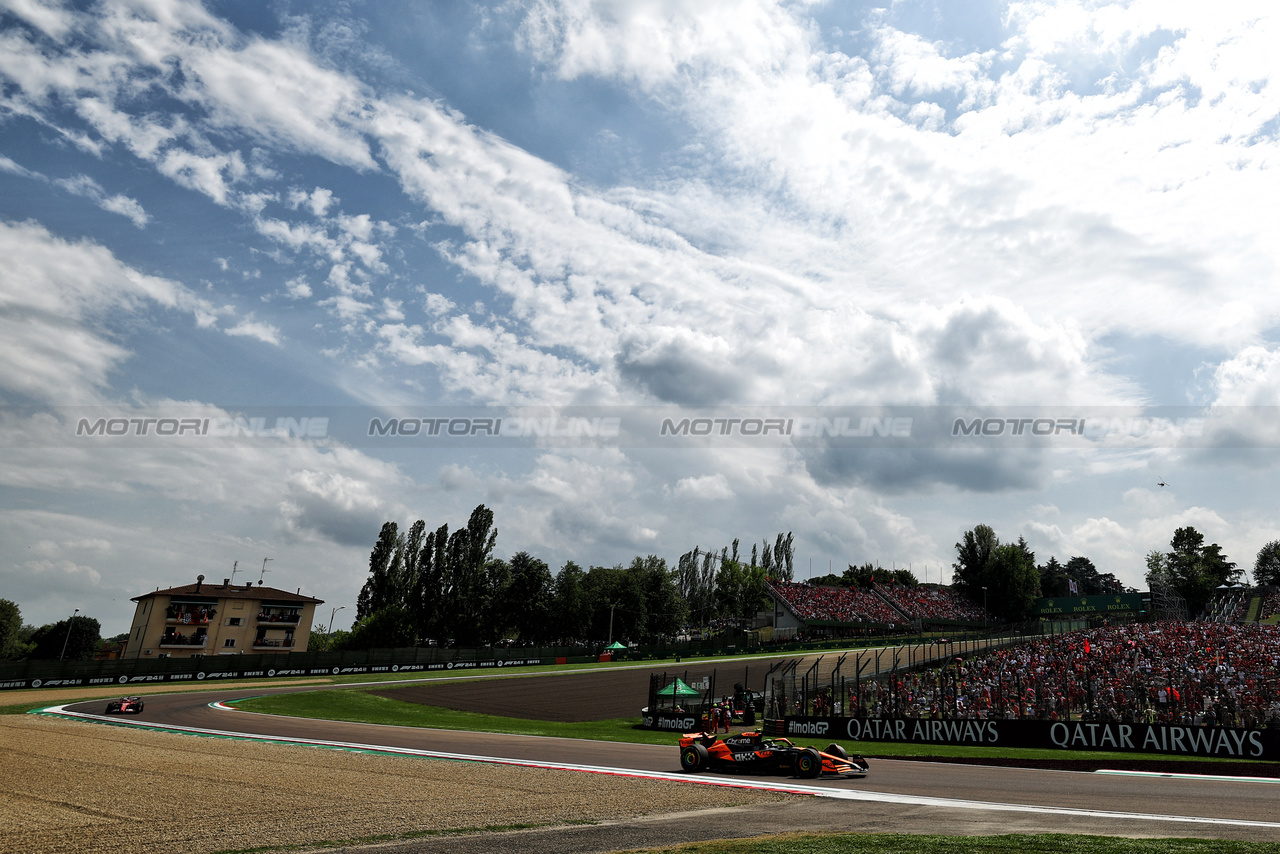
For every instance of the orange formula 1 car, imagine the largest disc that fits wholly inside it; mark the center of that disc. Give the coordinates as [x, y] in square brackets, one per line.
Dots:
[752, 753]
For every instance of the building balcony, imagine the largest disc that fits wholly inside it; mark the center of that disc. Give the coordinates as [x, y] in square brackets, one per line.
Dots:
[273, 643]
[183, 641]
[286, 619]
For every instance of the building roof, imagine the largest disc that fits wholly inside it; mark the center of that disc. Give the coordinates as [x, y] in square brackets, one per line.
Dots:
[226, 590]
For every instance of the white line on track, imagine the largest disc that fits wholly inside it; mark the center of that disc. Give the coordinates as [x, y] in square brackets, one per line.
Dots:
[773, 786]
[1221, 778]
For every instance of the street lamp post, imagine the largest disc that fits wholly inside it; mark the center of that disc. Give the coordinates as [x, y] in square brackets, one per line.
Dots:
[328, 633]
[68, 637]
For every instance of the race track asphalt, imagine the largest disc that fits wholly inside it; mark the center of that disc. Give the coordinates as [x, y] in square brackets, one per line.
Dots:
[897, 796]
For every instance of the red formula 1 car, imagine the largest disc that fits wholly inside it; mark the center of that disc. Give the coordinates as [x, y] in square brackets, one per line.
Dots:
[753, 753]
[125, 706]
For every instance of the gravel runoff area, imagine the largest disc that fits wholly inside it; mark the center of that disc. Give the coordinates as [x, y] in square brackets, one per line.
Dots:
[72, 786]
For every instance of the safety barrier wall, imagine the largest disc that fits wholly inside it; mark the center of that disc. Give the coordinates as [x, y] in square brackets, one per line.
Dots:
[33, 673]
[219, 668]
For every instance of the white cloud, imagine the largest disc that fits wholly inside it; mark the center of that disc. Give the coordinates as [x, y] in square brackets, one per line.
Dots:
[83, 185]
[706, 488]
[1250, 378]
[256, 329]
[298, 288]
[53, 293]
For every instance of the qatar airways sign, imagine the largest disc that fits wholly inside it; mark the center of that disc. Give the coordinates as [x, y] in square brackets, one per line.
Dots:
[1216, 742]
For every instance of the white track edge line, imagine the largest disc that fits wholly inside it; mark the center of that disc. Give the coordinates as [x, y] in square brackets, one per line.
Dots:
[1217, 778]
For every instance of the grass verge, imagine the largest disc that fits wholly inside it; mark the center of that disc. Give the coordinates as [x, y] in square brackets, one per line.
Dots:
[364, 707]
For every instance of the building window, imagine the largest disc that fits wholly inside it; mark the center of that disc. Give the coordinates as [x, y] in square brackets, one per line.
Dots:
[229, 642]
[235, 621]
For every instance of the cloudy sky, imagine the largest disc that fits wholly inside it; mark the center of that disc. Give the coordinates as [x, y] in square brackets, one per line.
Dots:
[350, 211]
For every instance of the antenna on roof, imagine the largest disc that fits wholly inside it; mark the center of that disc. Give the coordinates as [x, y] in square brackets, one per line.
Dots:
[264, 568]
[234, 570]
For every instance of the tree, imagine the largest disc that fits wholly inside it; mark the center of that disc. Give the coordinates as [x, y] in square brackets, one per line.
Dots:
[377, 592]
[1053, 580]
[426, 595]
[905, 577]
[465, 582]
[497, 607]
[1012, 582]
[1001, 577]
[1266, 567]
[78, 635]
[973, 554]
[386, 628]
[1196, 569]
[616, 599]
[866, 575]
[695, 579]
[571, 604]
[10, 631]
[529, 596]
[665, 610]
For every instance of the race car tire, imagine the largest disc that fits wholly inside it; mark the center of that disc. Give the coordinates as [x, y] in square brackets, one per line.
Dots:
[693, 758]
[809, 763]
[836, 750]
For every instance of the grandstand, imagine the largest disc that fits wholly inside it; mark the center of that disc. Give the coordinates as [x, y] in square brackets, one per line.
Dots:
[805, 606]
[1245, 605]
[1200, 673]
[831, 605]
[1269, 608]
[1229, 605]
[931, 603]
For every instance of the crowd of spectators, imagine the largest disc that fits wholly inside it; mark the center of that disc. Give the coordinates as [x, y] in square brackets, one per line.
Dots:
[932, 603]
[1197, 673]
[835, 604]
[1270, 604]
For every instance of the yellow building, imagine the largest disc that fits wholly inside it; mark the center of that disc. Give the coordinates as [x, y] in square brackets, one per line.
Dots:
[219, 619]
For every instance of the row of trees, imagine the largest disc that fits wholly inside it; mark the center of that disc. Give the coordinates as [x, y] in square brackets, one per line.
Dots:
[76, 638]
[1005, 579]
[447, 587]
[865, 575]
[721, 585]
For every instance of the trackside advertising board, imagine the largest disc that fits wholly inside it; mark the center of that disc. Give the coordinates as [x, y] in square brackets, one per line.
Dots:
[264, 673]
[1115, 603]
[1217, 742]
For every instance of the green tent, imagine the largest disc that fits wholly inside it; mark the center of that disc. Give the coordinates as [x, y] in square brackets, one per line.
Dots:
[677, 689]
[615, 645]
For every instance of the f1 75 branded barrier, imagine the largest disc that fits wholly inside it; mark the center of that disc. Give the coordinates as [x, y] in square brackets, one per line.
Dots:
[258, 672]
[1217, 742]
